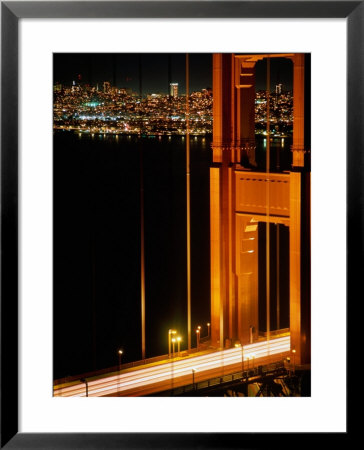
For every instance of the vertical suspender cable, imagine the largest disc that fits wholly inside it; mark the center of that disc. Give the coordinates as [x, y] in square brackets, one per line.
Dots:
[142, 266]
[188, 203]
[94, 305]
[267, 203]
[278, 280]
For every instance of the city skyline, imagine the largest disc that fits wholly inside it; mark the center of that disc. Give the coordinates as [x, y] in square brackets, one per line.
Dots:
[109, 109]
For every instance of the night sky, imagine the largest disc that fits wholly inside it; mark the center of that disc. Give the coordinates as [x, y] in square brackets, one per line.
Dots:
[281, 71]
[157, 71]
[122, 70]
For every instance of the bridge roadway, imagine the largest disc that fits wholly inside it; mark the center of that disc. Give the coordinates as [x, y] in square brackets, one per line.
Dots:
[170, 374]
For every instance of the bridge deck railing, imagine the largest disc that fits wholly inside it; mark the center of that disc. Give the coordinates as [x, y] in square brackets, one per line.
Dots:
[204, 345]
[246, 375]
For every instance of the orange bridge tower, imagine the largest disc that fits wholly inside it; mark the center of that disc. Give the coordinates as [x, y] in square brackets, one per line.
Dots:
[249, 208]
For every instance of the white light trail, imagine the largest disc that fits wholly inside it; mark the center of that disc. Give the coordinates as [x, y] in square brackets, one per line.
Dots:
[173, 370]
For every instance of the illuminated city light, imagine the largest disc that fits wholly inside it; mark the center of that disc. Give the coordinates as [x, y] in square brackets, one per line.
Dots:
[164, 113]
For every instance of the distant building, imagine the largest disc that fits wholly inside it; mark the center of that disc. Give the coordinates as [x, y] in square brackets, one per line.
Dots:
[173, 90]
[279, 88]
[75, 87]
[207, 92]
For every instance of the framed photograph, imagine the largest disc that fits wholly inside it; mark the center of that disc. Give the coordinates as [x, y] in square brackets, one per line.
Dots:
[181, 218]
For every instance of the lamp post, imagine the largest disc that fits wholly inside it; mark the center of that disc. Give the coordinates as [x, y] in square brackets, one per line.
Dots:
[179, 339]
[198, 337]
[83, 380]
[173, 341]
[120, 352]
[193, 377]
[253, 357]
[199, 332]
[288, 360]
[170, 332]
[208, 330]
[294, 360]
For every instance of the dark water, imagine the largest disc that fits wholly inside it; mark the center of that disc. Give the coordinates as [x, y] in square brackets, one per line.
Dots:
[97, 246]
[280, 153]
[97, 186]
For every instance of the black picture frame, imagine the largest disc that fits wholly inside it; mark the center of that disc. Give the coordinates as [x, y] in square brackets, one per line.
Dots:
[11, 12]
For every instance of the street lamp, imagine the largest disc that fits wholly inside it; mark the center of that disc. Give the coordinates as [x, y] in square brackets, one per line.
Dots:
[173, 341]
[170, 332]
[198, 337]
[120, 352]
[208, 330]
[294, 360]
[83, 380]
[179, 339]
[193, 377]
[288, 359]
